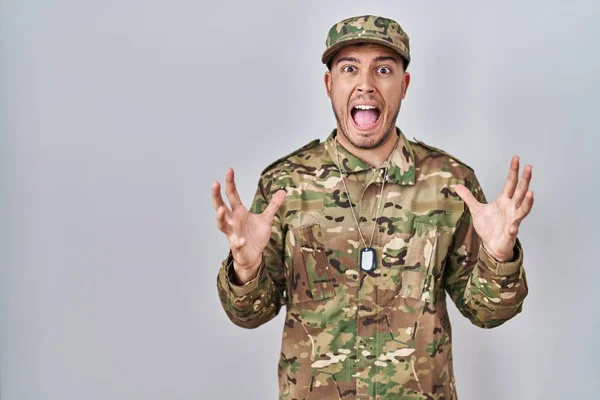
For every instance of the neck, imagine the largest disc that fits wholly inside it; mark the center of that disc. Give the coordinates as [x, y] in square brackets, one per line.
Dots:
[375, 157]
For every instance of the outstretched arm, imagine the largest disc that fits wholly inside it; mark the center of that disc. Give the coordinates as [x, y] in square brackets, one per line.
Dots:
[484, 272]
[251, 280]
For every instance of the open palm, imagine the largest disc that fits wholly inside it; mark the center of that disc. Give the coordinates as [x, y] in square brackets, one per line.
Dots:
[248, 234]
[497, 223]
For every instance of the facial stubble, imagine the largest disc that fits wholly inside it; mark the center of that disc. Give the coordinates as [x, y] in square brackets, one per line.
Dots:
[390, 128]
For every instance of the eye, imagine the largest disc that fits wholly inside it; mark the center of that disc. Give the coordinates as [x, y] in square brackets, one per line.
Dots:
[348, 68]
[384, 70]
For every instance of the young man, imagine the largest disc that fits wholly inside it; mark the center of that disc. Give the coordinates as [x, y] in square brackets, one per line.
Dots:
[362, 236]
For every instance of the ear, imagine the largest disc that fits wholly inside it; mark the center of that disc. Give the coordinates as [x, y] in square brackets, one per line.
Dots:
[327, 80]
[405, 83]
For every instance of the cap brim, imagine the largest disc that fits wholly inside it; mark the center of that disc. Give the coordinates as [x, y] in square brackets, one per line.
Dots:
[330, 52]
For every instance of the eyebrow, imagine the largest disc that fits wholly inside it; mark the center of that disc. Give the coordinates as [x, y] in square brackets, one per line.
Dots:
[350, 59]
[378, 59]
[386, 58]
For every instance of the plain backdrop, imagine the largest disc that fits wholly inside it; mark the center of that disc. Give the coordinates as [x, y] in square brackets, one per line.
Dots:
[117, 116]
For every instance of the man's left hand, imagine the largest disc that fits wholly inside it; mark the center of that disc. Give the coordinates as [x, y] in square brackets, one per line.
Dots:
[497, 223]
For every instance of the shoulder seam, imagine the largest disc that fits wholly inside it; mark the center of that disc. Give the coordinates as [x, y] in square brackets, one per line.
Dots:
[443, 152]
[307, 146]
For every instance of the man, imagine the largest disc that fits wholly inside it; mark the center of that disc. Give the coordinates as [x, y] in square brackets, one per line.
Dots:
[362, 236]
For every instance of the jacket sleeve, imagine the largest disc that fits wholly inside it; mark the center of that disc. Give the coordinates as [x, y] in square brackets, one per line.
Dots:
[260, 299]
[484, 290]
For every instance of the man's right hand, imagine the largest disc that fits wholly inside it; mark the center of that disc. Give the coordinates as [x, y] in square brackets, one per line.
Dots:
[248, 234]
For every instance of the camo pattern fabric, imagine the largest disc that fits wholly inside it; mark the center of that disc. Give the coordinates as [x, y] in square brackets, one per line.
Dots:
[383, 334]
[367, 29]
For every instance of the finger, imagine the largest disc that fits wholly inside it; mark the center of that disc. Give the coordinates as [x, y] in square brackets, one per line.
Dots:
[526, 207]
[274, 205]
[222, 224]
[523, 186]
[512, 178]
[231, 189]
[217, 199]
[468, 198]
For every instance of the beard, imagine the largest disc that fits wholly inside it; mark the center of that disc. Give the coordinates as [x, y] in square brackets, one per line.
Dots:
[391, 127]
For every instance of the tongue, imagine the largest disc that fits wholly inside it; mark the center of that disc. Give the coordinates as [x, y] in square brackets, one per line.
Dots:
[365, 118]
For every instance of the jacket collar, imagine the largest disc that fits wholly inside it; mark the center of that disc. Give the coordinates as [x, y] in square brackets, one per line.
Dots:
[400, 171]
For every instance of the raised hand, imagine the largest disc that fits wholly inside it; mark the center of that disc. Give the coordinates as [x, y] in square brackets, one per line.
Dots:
[497, 223]
[248, 234]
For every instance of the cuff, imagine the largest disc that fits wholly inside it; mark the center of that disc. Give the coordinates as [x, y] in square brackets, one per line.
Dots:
[242, 290]
[502, 268]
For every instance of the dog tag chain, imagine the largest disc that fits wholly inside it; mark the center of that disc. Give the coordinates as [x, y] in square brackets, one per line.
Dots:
[368, 255]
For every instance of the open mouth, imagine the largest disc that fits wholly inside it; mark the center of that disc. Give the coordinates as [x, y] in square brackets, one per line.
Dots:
[365, 116]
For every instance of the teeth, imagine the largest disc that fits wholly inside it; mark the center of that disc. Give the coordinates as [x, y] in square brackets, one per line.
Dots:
[363, 107]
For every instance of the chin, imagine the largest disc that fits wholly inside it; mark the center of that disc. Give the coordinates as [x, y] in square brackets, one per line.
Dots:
[366, 138]
[362, 142]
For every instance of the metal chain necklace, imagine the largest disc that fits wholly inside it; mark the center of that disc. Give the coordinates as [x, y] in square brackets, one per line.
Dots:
[368, 256]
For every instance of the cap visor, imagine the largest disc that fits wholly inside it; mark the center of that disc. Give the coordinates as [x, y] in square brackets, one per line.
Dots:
[330, 52]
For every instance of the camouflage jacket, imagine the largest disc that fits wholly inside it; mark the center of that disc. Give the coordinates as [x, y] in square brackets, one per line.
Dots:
[351, 334]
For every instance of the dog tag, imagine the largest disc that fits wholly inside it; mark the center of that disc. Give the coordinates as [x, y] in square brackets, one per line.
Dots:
[367, 259]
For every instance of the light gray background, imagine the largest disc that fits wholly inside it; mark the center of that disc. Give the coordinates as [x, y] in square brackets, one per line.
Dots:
[116, 117]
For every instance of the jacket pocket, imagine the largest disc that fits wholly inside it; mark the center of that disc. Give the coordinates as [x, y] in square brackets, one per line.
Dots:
[323, 386]
[311, 278]
[418, 277]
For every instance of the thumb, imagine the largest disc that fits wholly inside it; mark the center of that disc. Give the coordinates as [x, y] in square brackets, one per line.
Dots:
[466, 195]
[274, 205]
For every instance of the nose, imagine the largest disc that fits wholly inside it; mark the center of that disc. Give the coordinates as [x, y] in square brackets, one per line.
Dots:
[365, 84]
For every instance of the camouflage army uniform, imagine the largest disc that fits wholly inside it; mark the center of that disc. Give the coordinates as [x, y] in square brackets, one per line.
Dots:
[351, 334]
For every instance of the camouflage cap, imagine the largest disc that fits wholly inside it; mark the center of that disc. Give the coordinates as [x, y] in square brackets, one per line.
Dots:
[367, 29]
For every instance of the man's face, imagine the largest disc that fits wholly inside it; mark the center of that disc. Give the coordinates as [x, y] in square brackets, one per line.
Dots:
[366, 85]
